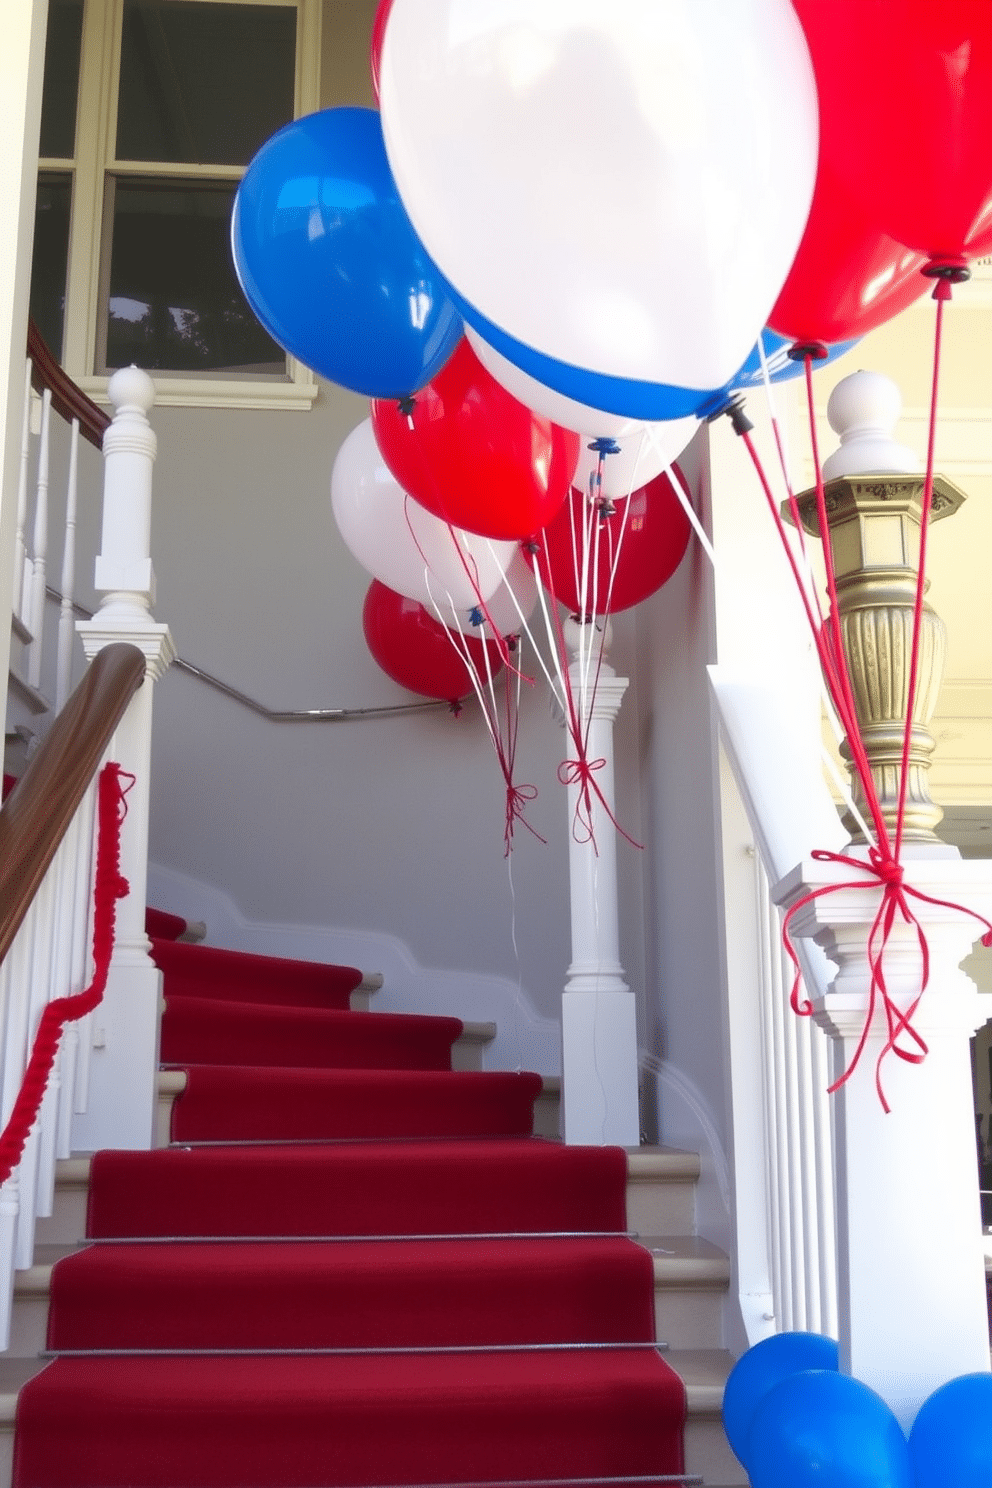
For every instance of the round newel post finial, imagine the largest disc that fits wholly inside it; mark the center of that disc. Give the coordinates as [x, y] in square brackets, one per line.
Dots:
[864, 409]
[131, 388]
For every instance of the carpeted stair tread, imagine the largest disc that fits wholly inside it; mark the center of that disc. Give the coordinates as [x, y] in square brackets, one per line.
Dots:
[363, 1188]
[239, 976]
[250, 1103]
[310, 1421]
[364, 1294]
[202, 1030]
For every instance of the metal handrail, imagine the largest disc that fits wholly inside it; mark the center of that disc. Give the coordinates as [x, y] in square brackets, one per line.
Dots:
[277, 715]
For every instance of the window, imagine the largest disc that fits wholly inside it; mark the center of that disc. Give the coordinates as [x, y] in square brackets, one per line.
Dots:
[150, 113]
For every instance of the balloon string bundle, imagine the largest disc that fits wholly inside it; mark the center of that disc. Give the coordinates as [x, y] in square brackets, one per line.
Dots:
[108, 887]
[883, 868]
[579, 702]
[505, 744]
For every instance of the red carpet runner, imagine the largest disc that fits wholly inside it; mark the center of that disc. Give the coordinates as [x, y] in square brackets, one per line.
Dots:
[274, 1315]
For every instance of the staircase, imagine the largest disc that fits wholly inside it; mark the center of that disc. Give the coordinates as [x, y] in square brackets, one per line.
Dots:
[268, 1089]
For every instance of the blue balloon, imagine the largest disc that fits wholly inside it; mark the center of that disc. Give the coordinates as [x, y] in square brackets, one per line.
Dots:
[330, 263]
[625, 396]
[760, 1369]
[821, 1429]
[781, 368]
[633, 399]
[950, 1445]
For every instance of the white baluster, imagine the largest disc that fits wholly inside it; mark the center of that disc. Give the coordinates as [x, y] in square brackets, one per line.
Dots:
[68, 1062]
[47, 1139]
[67, 631]
[81, 964]
[771, 1086]
[27, 1177]
[9, 1208]
[39, 543]
[20, 547]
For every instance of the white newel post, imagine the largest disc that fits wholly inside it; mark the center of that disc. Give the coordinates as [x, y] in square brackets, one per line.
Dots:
[599, 1027]
[911, 1272]
[121, 1104]
[911, 1264]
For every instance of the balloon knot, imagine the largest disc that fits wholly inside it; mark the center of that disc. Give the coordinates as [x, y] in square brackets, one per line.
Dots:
[456, 707]
[947, 272]
[604, 447]
[475, 616]
[605, 509]
[531, 547]
[815, 350]
[735, 412]
[406, 405]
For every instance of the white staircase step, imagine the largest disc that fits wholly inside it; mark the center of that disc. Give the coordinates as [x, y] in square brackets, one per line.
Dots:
[707, 1451]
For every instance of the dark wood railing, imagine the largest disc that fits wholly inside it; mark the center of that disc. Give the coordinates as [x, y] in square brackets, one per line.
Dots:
[36, 816]
[69, 401]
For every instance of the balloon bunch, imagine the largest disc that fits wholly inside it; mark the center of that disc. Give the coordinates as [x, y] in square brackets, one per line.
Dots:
[616, 284]
[794, 1421]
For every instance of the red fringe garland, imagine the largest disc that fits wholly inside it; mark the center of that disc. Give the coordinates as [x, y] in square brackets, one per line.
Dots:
[108, 887]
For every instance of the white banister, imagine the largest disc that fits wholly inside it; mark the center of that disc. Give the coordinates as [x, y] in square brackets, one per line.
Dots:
[786, 1233]
[43, 963]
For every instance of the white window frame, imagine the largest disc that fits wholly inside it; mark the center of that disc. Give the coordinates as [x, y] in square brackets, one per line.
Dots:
[96, 121]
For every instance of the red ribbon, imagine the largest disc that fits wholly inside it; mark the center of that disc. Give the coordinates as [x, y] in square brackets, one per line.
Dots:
[517, 799]
[896, 893]
[108, 887]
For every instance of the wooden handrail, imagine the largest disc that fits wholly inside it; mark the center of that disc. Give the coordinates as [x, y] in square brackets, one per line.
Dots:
[68, 400]
[36, 816]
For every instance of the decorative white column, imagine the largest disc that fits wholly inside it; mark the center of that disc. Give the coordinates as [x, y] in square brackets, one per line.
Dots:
[599, 1027]
[911, 1282]
[123, 1070]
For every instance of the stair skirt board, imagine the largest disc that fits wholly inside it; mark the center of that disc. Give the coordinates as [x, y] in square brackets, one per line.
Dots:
[262, 1310]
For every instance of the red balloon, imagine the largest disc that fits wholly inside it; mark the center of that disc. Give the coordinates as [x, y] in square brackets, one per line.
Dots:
[646, 536]
[471, 454]
[416, 650]
[375, 45]
[847, 277]
[905, 89]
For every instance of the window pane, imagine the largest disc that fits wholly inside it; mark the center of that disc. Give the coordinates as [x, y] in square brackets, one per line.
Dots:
[203, 83]
[61, 86]
[51, 256]
[174, 301]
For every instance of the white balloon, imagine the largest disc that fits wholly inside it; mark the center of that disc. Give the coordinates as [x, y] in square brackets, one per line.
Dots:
[566, 412]
[642, 454]
[639, 458]
[506, 610]
[395, 540]
[685, 129]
